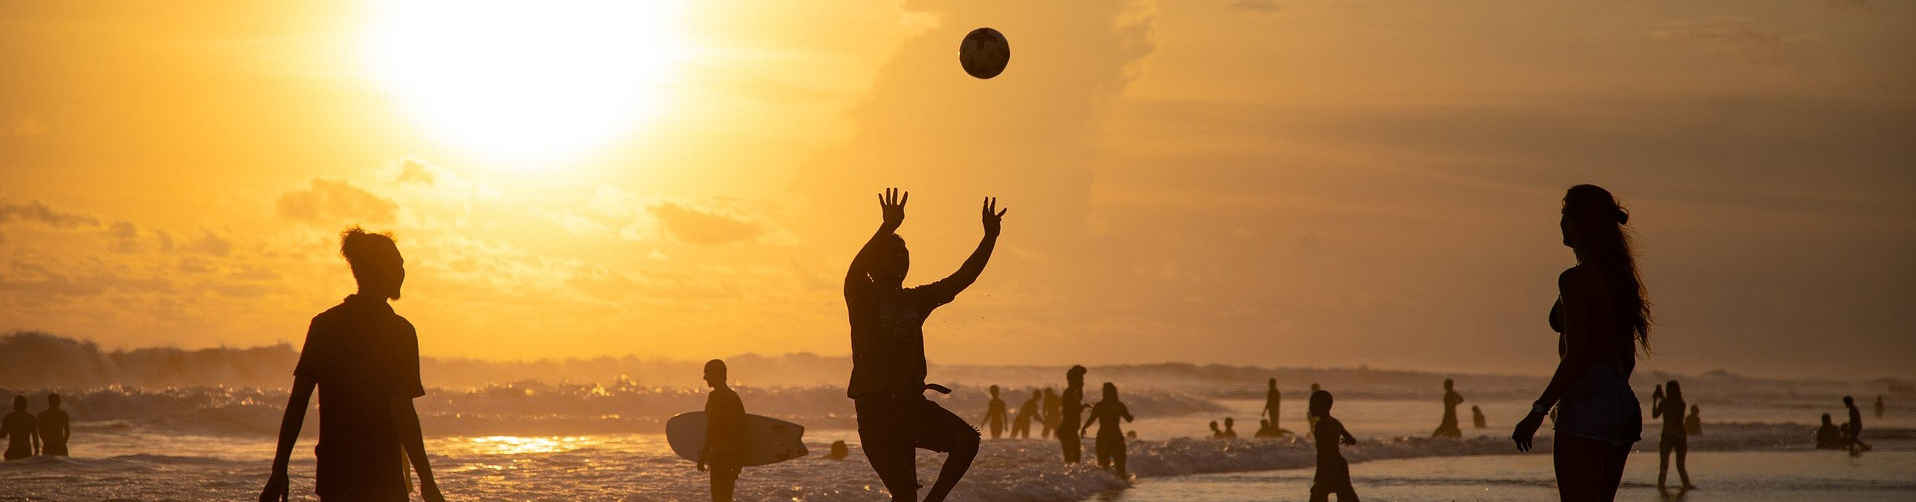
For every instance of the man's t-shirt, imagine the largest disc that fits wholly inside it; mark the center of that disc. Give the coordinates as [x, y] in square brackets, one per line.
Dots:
[888, 336]
[366, 360]
[724, 428]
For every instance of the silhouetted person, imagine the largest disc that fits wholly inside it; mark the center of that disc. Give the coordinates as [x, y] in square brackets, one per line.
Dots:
[1230, 429]
[1879, 406]
[364, 359]
[21, 431]
[1106, 413]
[54, 428]
[1693, 423]
[1053, 408]
[1476, 417]
[1829, 437]
[839, 451]
[1071, 407]
[1027, 412]
[994, 420]
[1216, 433]
[1272, 400]
[888, 356]
[1674, 437]
[1263, 429]
[1448, 427]
[1604, 318]
[1333, 473]
[1854, 429]
[724, 433]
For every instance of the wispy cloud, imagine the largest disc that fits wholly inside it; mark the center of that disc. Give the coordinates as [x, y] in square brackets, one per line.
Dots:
[336, 202]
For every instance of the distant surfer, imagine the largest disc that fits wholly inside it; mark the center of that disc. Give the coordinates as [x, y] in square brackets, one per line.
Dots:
[21, 431]
[1879, 406]
[1272, 400]
[1216, 433]
[1693, 422]
[364, 360]
[1333, 472]
[888, 355]
[1110, 439]
[1448, 428]
[54, 428]
[1071, 408]
[994, 420]
[1027, 413]
[1230, 428]
[1476, 417]
[1674, 437]
[1854, 429]
[724, 433]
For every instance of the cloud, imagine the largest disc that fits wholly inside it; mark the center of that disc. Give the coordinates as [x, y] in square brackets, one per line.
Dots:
[705, 228]
[211, 244]
[413, 171]
[125, 237]
[336, 203]
[38, 211]
[1264, 6]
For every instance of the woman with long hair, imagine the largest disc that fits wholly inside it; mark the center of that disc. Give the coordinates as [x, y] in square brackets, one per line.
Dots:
[1603, 316]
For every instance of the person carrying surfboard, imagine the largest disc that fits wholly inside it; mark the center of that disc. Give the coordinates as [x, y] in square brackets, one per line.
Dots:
[888, 355]
[724, 433]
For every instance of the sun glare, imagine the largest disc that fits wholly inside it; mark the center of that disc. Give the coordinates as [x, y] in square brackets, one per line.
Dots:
[521, 81]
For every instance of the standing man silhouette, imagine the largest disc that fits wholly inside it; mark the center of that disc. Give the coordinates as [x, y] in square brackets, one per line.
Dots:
[994, 415]
[21, 431]
[364, 359]
[1070, 409]
[724, 432]
[1448, 427]
[1271, 401]
[54, 429]
[888, 355]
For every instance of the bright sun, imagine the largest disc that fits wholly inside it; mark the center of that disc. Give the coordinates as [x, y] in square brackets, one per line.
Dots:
[525, 81]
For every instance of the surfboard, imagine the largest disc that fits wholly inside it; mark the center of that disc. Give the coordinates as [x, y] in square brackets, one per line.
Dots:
[767, 440]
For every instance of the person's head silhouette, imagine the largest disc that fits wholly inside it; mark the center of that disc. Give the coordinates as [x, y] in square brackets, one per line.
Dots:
[1826, 419]
[1320, 404]
[1111, 392]
[375, 261]
[1214, 429]
[1693, 410]
[715, 373]
[19, 403]
[1229, 424]
[994, 392]
[893, 261]
[1075, 376]
[1273, 384]
[1448, 384]
[1673, 391]
[53, 401]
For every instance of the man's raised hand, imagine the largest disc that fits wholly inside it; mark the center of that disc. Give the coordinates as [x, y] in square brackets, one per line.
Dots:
[992, 215]
[891, 205]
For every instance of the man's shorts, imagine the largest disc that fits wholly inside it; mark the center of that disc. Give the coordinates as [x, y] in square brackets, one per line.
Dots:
[911, 420]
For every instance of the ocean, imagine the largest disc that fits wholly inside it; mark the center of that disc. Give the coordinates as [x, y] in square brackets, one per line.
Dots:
[1757, 453]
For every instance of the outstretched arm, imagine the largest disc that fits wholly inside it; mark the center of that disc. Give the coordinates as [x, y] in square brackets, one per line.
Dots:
[1346, 433]
[276, 483]
[968, 272]
[891, 205]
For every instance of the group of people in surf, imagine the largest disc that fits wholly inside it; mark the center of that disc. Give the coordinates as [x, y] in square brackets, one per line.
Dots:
[363, 360]
[29, 435]
[1850, 435]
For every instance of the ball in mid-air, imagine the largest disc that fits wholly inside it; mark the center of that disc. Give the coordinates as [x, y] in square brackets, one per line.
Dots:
[984, 53]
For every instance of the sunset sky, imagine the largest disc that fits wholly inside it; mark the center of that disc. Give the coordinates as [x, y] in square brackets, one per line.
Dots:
[1287, 183]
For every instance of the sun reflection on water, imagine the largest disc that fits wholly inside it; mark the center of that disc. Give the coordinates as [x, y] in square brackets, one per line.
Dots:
[519, 445]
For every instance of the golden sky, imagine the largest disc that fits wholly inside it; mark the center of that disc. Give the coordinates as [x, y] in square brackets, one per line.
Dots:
[1317, 183]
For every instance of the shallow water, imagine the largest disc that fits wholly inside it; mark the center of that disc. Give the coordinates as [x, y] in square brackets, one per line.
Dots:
[1720, 476]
